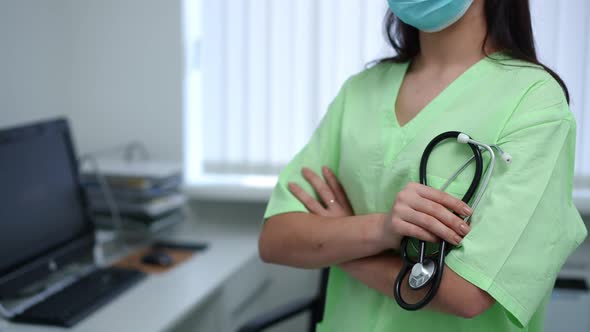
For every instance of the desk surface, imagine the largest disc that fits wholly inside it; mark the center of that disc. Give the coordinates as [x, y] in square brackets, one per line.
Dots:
[174, 294]
[177, 293]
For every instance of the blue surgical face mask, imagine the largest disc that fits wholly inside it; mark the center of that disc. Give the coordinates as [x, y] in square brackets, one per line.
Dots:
[429, 15]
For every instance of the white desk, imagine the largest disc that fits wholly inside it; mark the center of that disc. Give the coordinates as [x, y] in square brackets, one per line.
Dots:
[167, 301]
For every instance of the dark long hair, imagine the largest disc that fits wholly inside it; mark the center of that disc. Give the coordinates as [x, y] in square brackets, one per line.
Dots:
[508, 26]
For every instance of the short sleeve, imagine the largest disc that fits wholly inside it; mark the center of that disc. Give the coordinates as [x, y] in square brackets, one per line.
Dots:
[526, 224]
[323, 149]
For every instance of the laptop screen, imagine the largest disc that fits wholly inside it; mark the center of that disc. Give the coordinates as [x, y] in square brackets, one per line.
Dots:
[41, 205]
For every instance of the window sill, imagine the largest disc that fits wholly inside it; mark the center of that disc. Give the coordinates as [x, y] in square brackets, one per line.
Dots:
[258, 189]
[241, 188]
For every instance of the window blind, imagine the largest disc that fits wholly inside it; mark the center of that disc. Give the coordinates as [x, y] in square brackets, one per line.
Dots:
[268, 69]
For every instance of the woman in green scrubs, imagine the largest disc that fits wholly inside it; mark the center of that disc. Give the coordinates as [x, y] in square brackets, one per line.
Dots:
[461, 65]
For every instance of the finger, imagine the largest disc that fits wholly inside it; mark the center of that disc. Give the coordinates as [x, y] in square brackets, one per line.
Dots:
[408, 229]
[430, 225]
[444, 199]
[310, 203]
[416, 232]
[442, 214]
[319, 186]
[336, 187]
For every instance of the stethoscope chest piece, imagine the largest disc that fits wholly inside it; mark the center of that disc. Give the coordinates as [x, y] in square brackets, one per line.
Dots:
[421, 274]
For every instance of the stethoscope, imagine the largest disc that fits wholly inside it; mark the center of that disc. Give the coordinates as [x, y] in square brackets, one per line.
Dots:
[428, 270]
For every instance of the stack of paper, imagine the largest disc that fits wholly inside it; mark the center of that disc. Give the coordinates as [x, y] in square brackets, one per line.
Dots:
[146, 193]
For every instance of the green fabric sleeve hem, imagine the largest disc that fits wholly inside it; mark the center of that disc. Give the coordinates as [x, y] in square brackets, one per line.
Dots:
[479, 279]
[282, 201]
[284, 209]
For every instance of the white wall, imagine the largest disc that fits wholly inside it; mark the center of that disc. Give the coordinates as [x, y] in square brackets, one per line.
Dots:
[127, 82]
[34, 57]
[114, 67]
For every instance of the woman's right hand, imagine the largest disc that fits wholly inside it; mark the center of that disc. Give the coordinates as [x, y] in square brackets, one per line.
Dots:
[427, 214]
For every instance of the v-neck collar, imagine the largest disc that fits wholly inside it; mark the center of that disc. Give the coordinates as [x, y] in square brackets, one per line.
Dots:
[396, 137]
[389, 103]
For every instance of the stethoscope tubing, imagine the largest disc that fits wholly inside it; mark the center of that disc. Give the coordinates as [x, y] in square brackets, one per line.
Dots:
[444, 247]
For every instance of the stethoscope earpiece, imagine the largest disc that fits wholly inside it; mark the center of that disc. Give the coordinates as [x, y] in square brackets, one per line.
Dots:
[506, 157]
[463, 138]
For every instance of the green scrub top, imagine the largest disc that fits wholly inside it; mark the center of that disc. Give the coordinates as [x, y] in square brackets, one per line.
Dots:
[526, 224]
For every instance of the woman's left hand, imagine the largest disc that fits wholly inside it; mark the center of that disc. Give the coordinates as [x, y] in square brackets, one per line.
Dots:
[334, 199]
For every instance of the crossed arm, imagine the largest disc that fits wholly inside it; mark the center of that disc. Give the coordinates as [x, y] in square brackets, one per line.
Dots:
[332, 235]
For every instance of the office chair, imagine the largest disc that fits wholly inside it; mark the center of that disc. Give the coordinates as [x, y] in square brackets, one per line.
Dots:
[314, 304]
